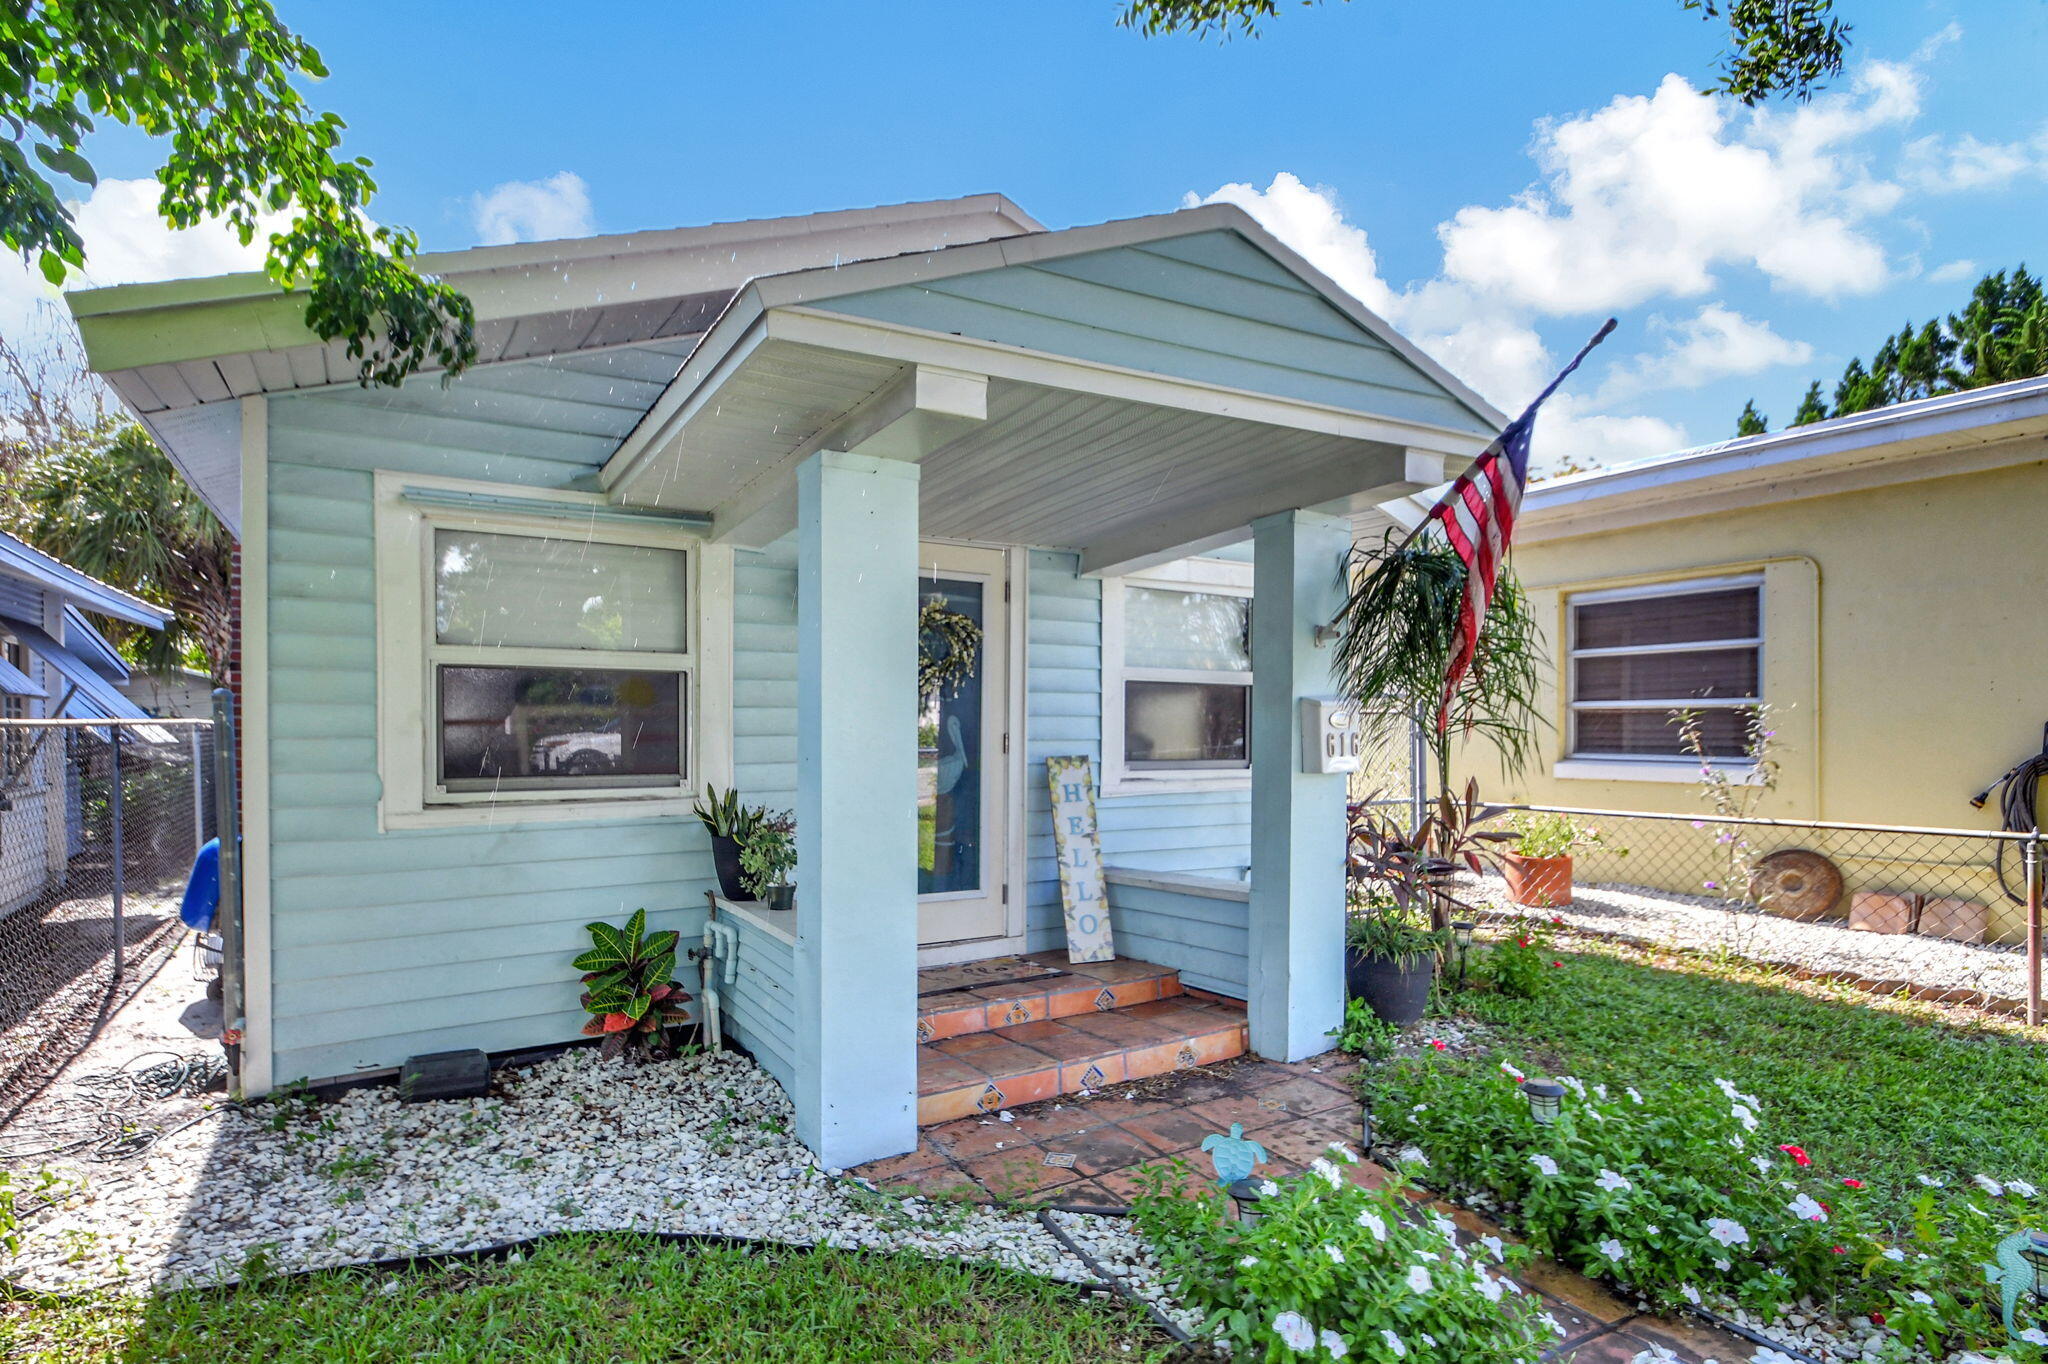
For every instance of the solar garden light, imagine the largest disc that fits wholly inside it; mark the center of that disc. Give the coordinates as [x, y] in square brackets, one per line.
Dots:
[1546, 1100]
[1244, 1194]
[1461, 933]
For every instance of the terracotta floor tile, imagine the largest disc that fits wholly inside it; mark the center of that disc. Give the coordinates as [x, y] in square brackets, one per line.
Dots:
[940, 1181]
[1101, 1149]
[1608, 1348]
[970, 1138]
[1120, 1027]
[1301, 1140]
[1088, 1074]
[1575, 1322]
[1083, 1191]
[1057, 1040]
[1160, 1058]
[1301, 1097]
[1029, 1087]
[1123, 1185]
[1046, 1121]
[1171, 1012]
[1000, 1058]
[1015, 1174]
[937, 1071]
[924, 1157]
[955, 1022]
[1197, 1087]
[1112, 1106]
[1220, 1113]
[1176, 1131]
[947, 1105]
[968, 1045]
[1018, 989]
[1581, 1293]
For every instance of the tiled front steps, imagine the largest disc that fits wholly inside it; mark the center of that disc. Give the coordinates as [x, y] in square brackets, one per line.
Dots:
[994, 1047]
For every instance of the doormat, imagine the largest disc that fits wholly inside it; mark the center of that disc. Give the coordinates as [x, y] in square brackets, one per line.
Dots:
[975, 975]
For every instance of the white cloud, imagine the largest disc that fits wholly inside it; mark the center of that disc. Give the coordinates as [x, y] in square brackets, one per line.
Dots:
[1648, 196]
[1714, 343]
[533, 210]
[1312, 222]
[1954, 272]
[1950, 165]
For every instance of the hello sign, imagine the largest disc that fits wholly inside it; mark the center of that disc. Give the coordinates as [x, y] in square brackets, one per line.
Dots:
[1082, 893]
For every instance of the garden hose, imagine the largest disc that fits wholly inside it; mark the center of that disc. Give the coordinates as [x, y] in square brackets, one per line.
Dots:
[2018, 808]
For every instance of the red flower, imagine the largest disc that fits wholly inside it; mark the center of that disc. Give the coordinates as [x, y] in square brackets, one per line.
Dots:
[1557, 963]
[1799, 1156]
[1521, 942]
[1557, 919]
[1852, 1183]
[1841, 1250]
[1438, 1043]
[1877, 1318]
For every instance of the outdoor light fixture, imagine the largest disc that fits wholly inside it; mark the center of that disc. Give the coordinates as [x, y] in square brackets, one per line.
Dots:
[2035, 1250]
[1245, 1195]
[1461, 933]
[1546, 1100]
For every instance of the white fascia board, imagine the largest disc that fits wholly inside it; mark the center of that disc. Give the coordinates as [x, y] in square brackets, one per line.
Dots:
[1956, 433]
[129, 325]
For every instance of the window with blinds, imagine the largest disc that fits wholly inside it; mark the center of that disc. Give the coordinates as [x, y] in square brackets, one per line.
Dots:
[1639, 654]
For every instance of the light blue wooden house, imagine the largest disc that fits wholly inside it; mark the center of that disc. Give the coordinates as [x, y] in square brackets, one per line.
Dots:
[674, 529]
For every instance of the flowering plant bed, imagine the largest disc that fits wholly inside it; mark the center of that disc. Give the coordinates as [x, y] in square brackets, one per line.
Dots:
[1333, 1270]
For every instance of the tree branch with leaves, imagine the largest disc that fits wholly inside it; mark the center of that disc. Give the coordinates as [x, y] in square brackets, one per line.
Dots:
[216, 78]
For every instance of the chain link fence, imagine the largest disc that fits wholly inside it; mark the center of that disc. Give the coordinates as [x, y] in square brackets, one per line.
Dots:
[99, 823]
[1939, 914]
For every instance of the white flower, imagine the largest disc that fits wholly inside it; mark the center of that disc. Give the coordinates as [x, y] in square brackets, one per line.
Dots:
[1990, 1186]
[1294, 1331]
[1489, 1287]
[1336, 1255]
[1612, 1249]
[1721, 1265]
[2020, 1187]
[2034, 1335]
[1371, 1222]
[1745, 1117]
[1917, 1296]
[1343, 1152]
[1394, 1343]
[1412, 1155]
[1429, 1340]
[1443, 1226]
[1762, 1163]
[1328, 1171]
[1268, 1189]
[1806, 1210]
[1248, 1262]
[1335, 1344]
[1612, 1182]
[1692, 1295]
[1656, 1354]
[1544, 1163]
[1929, 1181]
[1419, 1280]
[1631, 1092]
[1574, 1084]
[1895, 1255]
[1550, 1319]
[1510, 1285]
[1653, 1230]
[1727, 1231]
[1512, 1073]
[1493, 1244]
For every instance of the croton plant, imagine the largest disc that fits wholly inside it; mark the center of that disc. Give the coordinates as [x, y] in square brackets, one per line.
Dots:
[631, 999]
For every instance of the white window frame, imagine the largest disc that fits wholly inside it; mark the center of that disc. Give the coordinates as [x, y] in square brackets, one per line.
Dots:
[408, 730]
[1225, 577]
[1651, 767]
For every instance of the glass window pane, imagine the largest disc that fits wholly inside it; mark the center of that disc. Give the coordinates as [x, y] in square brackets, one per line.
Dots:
[949, 763]
[1168, 629]
[543, 592]
[559, 727]
[1666, 677]
[1681, 618]
[1186, 724]
[1651, 734]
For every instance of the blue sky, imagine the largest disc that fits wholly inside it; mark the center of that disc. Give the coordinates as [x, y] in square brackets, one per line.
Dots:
[1494, 177]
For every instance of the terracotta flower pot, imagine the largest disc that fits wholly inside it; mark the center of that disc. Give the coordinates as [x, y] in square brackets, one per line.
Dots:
[1539, 882]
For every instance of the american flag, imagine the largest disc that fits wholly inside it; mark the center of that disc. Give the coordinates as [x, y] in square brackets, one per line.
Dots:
[1478, 520]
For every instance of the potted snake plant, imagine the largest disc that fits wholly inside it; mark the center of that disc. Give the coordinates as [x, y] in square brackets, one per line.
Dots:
[728, 822]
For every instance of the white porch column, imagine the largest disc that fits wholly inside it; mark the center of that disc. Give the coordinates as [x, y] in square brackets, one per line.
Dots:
[856, 807]
[1297, 894]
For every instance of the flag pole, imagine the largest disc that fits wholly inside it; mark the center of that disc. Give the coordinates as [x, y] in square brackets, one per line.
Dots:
[1327, 632]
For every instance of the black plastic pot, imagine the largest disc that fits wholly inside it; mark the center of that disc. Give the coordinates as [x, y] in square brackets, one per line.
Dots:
[782, 896]
[1394, 988]
[725, 856]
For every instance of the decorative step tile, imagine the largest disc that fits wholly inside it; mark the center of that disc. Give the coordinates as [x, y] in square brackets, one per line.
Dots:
[1084, 987]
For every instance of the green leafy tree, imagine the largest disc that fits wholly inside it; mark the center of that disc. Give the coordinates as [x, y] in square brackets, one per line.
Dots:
[1775, 47]
[2000, 335]
[1751, 422]
[215, 78]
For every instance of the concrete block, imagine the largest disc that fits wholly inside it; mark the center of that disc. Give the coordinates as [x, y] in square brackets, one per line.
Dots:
[1958, 920]
[1881, 911]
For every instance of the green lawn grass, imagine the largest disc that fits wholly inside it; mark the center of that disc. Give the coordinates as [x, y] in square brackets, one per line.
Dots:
[603, 1298]
[1888, 1091]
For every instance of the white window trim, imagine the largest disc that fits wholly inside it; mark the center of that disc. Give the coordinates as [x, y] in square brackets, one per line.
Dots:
[1577, 765]
[406, 735]
[1227, 577]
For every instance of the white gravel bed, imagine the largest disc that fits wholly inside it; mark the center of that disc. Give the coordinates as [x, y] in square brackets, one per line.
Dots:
[701, 1144]
[1703, 923]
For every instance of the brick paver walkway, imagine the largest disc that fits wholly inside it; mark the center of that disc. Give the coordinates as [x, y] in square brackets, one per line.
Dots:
[1099, 1143]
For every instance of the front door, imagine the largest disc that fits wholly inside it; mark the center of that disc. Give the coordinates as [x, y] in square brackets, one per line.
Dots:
[962, 789]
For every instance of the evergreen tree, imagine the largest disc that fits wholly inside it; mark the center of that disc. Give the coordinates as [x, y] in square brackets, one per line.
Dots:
[1812, 408]
[1751, 422]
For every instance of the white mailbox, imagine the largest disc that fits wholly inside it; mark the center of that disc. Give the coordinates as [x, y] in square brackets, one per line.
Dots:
[1330, 739]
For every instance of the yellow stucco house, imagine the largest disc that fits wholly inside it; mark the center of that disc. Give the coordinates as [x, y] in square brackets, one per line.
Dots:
[1880, 581]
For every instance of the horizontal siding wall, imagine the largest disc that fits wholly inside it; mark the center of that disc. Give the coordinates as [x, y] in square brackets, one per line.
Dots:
[1203, 834]
[1212, 308]
[386, 945]
[1203, 937]
[758, 1009]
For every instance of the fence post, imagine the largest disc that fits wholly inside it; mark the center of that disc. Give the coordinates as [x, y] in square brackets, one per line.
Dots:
[2034, 929]
[120, 869]
[228, 918]
[198, 795]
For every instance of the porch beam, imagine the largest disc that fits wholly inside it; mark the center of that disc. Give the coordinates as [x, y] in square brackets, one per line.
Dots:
[1296, 911]
[926, 407]
[856, 807]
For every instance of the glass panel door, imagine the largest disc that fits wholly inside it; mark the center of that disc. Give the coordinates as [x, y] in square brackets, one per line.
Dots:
[949, 753]
[963, 774]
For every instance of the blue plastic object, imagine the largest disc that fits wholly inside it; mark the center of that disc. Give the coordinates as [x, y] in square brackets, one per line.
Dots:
[202, 889]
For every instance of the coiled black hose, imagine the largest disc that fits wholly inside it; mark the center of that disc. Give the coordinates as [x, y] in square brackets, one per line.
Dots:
[2018, 808]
